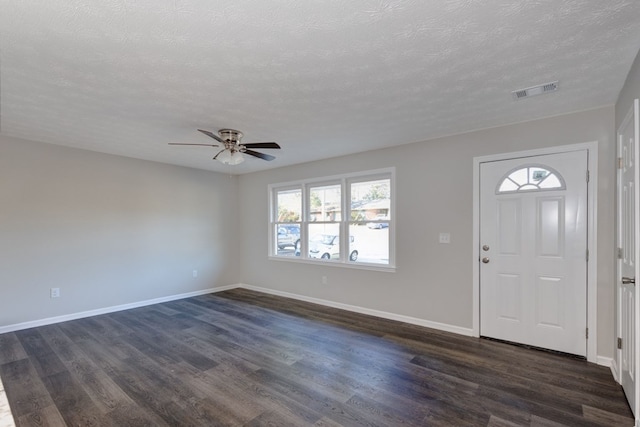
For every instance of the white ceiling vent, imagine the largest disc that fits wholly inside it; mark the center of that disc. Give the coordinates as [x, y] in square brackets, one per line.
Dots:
[535, 90]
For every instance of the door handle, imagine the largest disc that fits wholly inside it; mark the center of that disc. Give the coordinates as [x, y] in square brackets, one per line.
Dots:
[485, 260]
[628, 280]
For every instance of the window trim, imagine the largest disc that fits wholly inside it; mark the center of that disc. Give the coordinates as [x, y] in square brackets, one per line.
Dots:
[345, 181]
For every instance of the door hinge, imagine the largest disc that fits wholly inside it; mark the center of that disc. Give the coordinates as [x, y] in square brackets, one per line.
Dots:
[586, 333]
[588, 176]
[620, 253]
[620, 163]
[619, 343]
[587, 255]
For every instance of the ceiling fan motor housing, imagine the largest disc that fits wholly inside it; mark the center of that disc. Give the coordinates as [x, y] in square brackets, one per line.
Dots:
[230, 135]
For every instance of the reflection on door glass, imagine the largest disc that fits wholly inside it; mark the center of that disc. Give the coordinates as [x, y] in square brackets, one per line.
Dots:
[531, 178]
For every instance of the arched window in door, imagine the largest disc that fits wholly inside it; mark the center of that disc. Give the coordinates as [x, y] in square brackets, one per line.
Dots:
[531, 178]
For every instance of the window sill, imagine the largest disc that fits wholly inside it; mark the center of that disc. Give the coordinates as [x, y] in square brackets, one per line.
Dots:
[356, 266]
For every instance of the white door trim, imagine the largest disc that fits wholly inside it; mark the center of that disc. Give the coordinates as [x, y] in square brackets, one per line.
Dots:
[592, 237]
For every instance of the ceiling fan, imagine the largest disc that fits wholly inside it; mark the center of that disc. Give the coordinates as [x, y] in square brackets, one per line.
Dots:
[233, 149]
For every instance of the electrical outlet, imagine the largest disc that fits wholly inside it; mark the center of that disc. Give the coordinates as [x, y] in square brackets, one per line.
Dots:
[195, 273]
[324, 280]
[55, 292]
[445, 238]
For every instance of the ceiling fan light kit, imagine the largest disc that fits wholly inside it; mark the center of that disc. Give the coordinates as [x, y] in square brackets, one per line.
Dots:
[229, 157]
[231, 154]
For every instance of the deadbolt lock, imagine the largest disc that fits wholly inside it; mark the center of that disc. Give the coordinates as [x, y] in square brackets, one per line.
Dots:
[485, 248]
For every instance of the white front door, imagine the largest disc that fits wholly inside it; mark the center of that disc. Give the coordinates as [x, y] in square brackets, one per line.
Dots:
[627, 250]
[533, 251]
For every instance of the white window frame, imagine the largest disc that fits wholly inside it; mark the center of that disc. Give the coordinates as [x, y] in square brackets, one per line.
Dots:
[345, 182]
[274, 214]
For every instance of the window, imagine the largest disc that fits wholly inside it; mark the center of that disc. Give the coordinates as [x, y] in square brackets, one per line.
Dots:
[531, 178]
[370, 219]
[288, 215]
[344, 220]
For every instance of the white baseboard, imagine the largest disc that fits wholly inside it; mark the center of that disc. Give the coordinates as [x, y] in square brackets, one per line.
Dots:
[614, 370]
[112, 309]
[362, 310]
[604, 361]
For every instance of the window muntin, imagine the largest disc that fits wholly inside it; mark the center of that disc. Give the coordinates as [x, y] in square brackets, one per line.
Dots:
[345, 220]
[531, 178]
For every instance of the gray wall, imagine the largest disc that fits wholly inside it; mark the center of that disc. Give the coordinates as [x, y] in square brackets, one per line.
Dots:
[629, 92]
[433, 282]
[107, 230]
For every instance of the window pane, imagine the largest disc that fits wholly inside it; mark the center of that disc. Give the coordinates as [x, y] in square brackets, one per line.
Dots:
[324, 203]
[288, 239]
[324, 241]
[370, 200]
[529, 187]
[537, 174]
[520, 176]
[551, 181]
[508, 185]
[368, 244]
[289, 205]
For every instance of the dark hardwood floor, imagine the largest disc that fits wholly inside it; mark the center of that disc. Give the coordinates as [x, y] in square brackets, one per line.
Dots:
[244, 358]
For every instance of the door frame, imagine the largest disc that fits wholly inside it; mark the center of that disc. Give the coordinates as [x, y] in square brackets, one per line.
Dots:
[592, 236]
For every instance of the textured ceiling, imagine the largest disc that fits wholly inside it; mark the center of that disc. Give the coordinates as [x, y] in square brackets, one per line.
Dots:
[322, 78]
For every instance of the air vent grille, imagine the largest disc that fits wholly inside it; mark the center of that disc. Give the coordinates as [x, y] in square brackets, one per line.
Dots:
[535, 90]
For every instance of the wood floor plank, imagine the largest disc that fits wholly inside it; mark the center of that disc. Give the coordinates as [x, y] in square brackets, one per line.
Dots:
[602, 416]
[73, 403]
[240, 357]
[25, 390]
[263, 395]
[499, 422]
[49, 417]
[104, 393]
[11, 349]
[135, 415]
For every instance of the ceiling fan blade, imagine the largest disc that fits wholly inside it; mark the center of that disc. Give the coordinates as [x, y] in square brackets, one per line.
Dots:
[216, 156]
[187, 143]
[212, 135]
[262, 145]
[260, 155]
